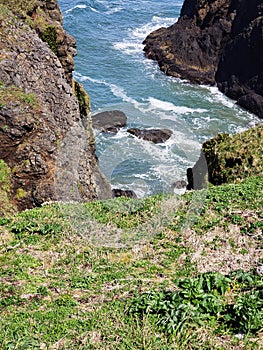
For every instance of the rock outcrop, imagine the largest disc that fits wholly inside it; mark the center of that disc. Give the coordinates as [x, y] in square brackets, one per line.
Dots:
[215, 41]
[228, 159]
[47, 144]
[109, 121]
[45, 18]
[153, 135]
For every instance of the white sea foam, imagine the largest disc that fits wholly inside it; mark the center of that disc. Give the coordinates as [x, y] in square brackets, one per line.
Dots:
[120, 92]
[129, 48]
[76, 7]
[82, 78]
[148, 97]
[93, 9]
[132, 44]
[114, 10]
[156, 22]
[155, 104]
[217, 96]
[116, 90]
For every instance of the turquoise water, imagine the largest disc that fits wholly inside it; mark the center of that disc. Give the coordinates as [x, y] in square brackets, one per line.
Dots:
[112, 67]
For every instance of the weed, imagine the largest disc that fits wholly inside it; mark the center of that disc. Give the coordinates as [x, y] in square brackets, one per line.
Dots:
[200, 300]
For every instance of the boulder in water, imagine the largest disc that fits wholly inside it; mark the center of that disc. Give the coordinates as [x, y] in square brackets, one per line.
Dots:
[154, 135]
[109, 121]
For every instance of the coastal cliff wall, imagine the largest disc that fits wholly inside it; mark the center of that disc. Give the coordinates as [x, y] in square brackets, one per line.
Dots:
[47, 147]
[215, 41]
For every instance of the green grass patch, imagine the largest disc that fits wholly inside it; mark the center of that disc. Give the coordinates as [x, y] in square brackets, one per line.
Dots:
[11, 94]
[187, 280]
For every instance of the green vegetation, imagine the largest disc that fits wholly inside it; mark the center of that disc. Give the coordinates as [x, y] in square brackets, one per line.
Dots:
[30, 12]
[49, 35]
[83, 98]
[12, 94]
[164, 272]
[234, 158]
[21, 7]
[5, 187]
[204, 300]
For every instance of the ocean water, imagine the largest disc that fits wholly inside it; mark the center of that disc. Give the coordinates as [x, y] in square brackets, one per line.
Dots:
[112, 67]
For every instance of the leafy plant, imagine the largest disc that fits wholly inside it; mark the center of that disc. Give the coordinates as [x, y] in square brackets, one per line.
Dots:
[202, 300]
[248, 312]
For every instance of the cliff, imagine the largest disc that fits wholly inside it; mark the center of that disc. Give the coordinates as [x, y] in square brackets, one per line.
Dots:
[47, 143]
[215, 41]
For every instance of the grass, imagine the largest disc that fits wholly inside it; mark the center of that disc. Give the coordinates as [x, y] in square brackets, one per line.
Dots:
[22, 7]
[102, 275]
[5, 190]
[233, 158]
[12, 94]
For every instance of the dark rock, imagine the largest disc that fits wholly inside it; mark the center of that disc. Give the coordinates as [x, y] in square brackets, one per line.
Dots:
[123, 193]
[252, 102]
[197, 176]
[109, 121]
[240, 73]
[154, 135]
[215, 41]
[190, 49]
[179, 184]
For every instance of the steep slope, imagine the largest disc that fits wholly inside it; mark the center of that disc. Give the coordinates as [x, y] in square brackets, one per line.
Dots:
[215, 41]
[47, 142]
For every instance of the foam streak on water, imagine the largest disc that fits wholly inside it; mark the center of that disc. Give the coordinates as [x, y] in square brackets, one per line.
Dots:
[112, 67]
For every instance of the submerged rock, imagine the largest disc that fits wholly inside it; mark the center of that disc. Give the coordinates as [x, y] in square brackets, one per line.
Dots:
[154, 135]
[215, 41]
[109, 121]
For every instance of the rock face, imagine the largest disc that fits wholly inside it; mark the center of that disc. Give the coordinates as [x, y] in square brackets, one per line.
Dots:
[215, 41]
[46, 19]
[47, 144]
[109, 121]
[153, 135]
[228, 159]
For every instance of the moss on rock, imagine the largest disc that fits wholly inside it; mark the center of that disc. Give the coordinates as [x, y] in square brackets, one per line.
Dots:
[22, 8]
[13, 94]
[229, 159]
[49, 35]
[83, 98]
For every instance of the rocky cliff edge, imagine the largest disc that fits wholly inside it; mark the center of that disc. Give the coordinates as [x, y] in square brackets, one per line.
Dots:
[47, 147]
[215, 41]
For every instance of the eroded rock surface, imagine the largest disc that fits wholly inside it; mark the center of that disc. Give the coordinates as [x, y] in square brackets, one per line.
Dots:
[46, 142]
